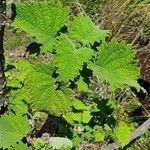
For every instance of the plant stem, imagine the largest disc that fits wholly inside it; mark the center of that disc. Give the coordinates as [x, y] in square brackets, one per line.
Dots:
[2, 58]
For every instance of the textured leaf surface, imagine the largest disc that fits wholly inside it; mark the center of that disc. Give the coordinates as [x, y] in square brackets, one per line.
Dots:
[69, 59]
[115, 65]
[60, 142]
[41, 20]
[12, 129]
[24, 67]
[84, 30]
[16, 102]
[123, 133]
[41, 89]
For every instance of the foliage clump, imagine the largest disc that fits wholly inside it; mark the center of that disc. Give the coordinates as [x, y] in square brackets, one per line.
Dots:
[60, 87]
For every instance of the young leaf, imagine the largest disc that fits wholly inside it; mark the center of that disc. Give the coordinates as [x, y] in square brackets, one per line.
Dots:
[86, 116]
[69, 59]
[84, 30]
[79, 117]
[71, 117]
[41, 20]
[38, 143]
[99, 136]
[115, 65]
[41, 88]
[20, 146]
[12, 129]
[123, 133]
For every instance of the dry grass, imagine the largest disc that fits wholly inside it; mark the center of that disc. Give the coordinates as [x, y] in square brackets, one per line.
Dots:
[128, 21]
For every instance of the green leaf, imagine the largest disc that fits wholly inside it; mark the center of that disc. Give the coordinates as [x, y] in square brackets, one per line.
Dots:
[84, 30]
[78, 105]
[123, 133]
[71, 117]
[69, 59]
[86, 116]
[23, 66]
[41, 20]
[82, 86]
[115, 64]
[20, 146]
[88, 136]
[38, 143]
[16, 102]
[41, 89]
[76, 140]
[111, 104]
[12, 129]
[79, 117]
[14, 84]
[99, 136]
[60, 142]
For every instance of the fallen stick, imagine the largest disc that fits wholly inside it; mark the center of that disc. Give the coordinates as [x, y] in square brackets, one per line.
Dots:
[135, 134]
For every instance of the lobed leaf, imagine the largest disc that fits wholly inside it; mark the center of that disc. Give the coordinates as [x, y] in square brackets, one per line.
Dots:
[12, 129]
[115, 64]
[41, 20]
[41, 89]
[123, 133]
[85, 31]
[16, 102]
[69, 59]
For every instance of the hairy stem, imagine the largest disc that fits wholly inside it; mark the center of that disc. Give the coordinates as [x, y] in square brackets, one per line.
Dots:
[2, 60]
